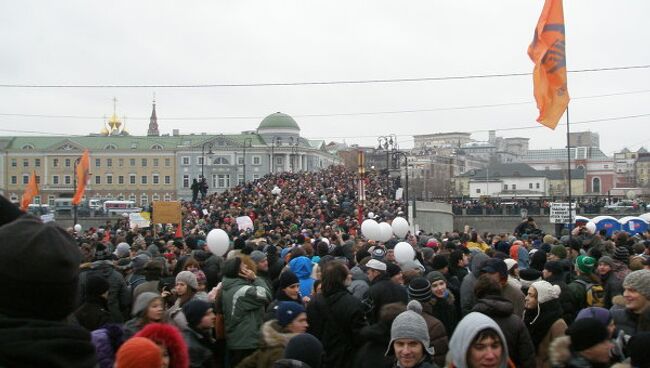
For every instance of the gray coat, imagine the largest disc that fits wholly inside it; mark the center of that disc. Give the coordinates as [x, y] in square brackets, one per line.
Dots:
[360, 285]
[467, 299]
[119, 297]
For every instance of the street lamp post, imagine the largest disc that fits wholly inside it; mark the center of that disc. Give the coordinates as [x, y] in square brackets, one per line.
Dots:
[210, 153]
[248, 143]
[387, 143]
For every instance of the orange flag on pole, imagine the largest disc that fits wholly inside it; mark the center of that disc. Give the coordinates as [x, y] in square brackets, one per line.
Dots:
[31, 191]
[547, 51]
[83, 171]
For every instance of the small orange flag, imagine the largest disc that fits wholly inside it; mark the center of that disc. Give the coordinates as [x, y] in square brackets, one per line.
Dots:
[31, 191]
[83, 171]
[547, 51]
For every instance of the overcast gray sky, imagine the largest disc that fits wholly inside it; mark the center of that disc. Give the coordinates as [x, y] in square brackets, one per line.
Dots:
[244, 42]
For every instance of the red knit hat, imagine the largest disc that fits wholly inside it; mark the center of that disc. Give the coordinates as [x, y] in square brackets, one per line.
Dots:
[170, 337]
[138, 352]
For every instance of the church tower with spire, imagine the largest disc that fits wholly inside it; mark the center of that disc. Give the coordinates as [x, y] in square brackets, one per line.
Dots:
[153, 122]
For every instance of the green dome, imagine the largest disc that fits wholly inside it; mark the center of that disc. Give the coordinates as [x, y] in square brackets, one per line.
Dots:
[278, 121]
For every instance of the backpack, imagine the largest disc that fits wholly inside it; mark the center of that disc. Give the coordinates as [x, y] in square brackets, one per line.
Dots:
[594, 294]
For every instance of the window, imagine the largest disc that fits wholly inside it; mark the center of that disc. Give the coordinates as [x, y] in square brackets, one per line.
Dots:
[155, 197]
[132, 179]
[185, 160]
[110, 147]
[14, 163]
[109, 179]
[67, 180]
[132, 197]
[256, 176]
[221, 181]
[37, 199]
[27, 147]
[120, 179]
[132, 162]
[50, 200]
[13, 198]
[505, 186]
[120, 197]
[37, 162]
[156, 162]
[257, 160]
[98, 162]
[514, 186]
[221, 161]
[144, 162]
[240, 179]
[186, 181]
[109, 162]
[14, 180]
[67, 162]
[156, 147]
[168, 179]
[25, 163]
[199, 160]
[25, 178]
[168, 162]
[606, 166]
[278, 160]
[478, 190]
[240, 160]
[168, 197]
[98, 179]
[536, 185]
[120, 162]
[595, 185]
[143, 199]
[143, 179]
[156, 179]
[530, 185]
[55, 180]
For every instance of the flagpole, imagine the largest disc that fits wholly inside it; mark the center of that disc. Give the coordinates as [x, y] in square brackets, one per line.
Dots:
[568, 159]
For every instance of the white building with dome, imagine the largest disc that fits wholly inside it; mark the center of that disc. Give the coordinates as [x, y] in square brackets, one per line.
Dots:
[226, 160]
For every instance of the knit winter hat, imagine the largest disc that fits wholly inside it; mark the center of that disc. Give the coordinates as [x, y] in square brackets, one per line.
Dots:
[257, 256]
[378, 254]
[122, 250]
[142, 302]
[96, 285]
[376, 265]
[138, 262]
[549, 239]
[195, 310]
[38, 262]
[622, 254]
[606, 260]
[439, 262]
[555, 267]
[287, 278]
[286, 312]
[304, 348]
[410, 325]
[138, 352]
[420, 289]
[639, 281]
[188, 278]
[434, 276]
[510, 263]
[559, 251]
[585, 333]
[546, 291]
[585, 264]
[601, 314]
[392, 269]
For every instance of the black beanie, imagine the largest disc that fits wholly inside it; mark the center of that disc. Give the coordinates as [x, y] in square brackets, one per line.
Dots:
[305, 348]
[555, 267]
[287, 278]
[585, 333]
[194, 311]
[38, 262]
[439, 262]
[96, 286]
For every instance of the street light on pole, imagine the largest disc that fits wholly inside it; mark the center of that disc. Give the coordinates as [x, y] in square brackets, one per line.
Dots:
[210, 153]
[248, 143]
[387, 143]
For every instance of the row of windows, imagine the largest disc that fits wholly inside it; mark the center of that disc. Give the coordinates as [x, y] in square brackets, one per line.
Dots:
[144, 198]
[68, 162]
[67, 179]
[256, 160]
[219, 180]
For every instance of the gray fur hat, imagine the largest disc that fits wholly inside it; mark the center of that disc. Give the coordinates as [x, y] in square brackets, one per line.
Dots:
[188, 278]
[411, 325]
[639, 281]
[142, 302]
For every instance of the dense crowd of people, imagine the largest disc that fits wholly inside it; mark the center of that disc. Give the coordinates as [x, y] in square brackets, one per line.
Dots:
[302, 287]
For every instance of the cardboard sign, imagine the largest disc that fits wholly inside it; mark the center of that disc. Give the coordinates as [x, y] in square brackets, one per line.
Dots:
[166, 212]
[560, 213]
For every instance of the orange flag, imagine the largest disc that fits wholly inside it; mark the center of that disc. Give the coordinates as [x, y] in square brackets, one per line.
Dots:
[547, 51]
[31, 190]
[83, 171]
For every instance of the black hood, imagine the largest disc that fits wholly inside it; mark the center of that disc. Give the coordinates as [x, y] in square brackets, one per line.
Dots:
[494, 306]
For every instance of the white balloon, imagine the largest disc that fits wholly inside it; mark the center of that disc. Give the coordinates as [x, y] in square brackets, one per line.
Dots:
[385, 232]
[77, 228]
[591, 227]
[276, 190]
[400, 227]
[218, 242]
[404, 252]
[371, 215]
[370, 229]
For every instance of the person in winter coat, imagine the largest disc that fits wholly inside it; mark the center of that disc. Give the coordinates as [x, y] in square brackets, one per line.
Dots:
[291, 320]
[302, 351]
[420, 289]
[382, 289]
[498, 270]
[490, 302]
[442, 305]
[635, 316]
[288, 291]
[93, 313]
[458, 262]
[39, 264]
[586, 345]
[467, 299]
[185, 291]
[584, 269]
[170, 340]
[301, 266]
[543, 318]
[377, 337]
[478, 342]
[360, 283]
[409, 339]
[148, 308]
[198, 333]
[553, 273]
[611, 273]
[107, 340]
[243, 298]
[119, 297]
[152, 272]
[336, 317]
